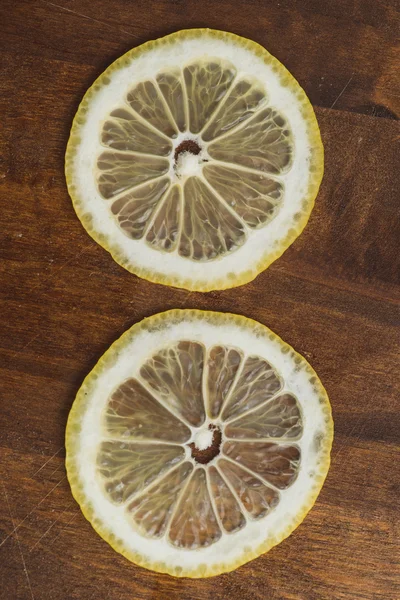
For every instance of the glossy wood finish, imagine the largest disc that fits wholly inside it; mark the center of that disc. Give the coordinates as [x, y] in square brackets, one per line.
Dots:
[333, 296]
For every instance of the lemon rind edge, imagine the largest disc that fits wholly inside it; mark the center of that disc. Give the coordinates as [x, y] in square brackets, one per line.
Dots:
[79, 407]
[307, 202]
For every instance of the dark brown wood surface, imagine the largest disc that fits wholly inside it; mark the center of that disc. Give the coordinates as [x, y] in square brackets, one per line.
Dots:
[333, 295]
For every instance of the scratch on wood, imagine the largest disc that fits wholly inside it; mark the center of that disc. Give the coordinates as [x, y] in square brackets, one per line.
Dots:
[47, 461]
[67, 262]
[343, 90]
[56, 469]
[26, 345]
[51, 526]
[15, 528]
[19, 544]
[87, 17]
[66, 527]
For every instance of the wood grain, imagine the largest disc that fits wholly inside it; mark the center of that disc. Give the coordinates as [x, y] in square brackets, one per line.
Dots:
[334, 296]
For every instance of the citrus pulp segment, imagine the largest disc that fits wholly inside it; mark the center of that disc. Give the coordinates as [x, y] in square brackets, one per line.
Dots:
[195, 160]
[199, 441]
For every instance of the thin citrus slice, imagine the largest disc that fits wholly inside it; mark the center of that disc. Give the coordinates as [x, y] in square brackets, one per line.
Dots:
[195, 160]
[198, 442]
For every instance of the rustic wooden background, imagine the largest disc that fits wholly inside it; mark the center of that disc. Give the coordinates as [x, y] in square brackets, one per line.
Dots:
[333, 295]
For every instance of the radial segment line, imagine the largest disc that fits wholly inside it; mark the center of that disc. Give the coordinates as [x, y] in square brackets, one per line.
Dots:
[204, 386]
[265, 481]
[175, 251]
[234, 383]
[238, 167]
[179, 499]
[134, 187]
[154, 483]
[185, 102]
[180, 367]
[241, 125]
[234, 494]
[251, 410]
[166, 107]
[128, 440]
[212, 500]
[145, 122]
[159, 206]
[229, 208]
[274, 440]
[235, 128]
[220, 103]
[148, 486]
[181, 219]
[158, 399]
[134, 152]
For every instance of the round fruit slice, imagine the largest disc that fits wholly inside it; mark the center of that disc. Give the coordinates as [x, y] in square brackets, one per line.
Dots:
[199, 441]
[195, 160]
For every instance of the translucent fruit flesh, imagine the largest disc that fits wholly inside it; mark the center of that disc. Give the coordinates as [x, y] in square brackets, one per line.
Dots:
[171, 484]
[198, 442]
[246, 146]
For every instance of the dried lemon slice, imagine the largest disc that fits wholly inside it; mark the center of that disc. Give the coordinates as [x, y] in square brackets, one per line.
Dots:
[199, 441]
[195, 160]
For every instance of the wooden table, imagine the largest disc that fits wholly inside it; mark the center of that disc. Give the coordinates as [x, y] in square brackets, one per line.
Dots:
[333, 296]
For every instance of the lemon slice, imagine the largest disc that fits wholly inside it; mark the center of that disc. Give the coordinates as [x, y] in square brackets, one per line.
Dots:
[199, 441]
[195, 160]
